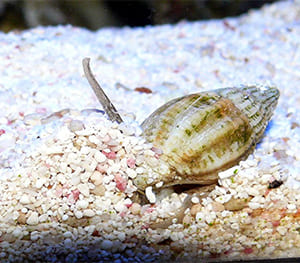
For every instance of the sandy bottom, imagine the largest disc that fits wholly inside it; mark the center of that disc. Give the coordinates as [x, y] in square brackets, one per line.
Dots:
[68, 175]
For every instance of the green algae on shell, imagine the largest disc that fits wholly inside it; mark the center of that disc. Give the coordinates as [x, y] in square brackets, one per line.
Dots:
[205, 133]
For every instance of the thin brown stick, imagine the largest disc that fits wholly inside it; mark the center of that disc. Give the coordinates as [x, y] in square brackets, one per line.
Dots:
[108, 107]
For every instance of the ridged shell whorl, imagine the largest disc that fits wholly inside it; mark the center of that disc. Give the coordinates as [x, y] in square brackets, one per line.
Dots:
[204, 133]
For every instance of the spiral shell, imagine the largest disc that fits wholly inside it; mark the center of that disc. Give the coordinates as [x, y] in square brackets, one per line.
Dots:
[202, 134]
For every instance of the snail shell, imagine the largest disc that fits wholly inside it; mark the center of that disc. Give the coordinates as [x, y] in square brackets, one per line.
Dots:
[202, 134]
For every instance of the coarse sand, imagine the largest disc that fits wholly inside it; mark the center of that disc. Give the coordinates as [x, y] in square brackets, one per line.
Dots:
[67, 172]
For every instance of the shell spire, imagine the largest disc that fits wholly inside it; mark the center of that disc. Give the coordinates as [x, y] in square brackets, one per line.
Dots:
[257, 103]
[202, 134]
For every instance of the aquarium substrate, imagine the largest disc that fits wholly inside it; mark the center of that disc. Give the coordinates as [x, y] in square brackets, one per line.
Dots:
[67, 193]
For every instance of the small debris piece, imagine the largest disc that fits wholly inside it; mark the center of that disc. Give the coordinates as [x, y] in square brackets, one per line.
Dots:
[228, 25]
[294, 125]
[143, 90]
[275, 184]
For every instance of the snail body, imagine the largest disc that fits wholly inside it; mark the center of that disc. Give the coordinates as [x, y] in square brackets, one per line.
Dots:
[205, 133]
[199, 135]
